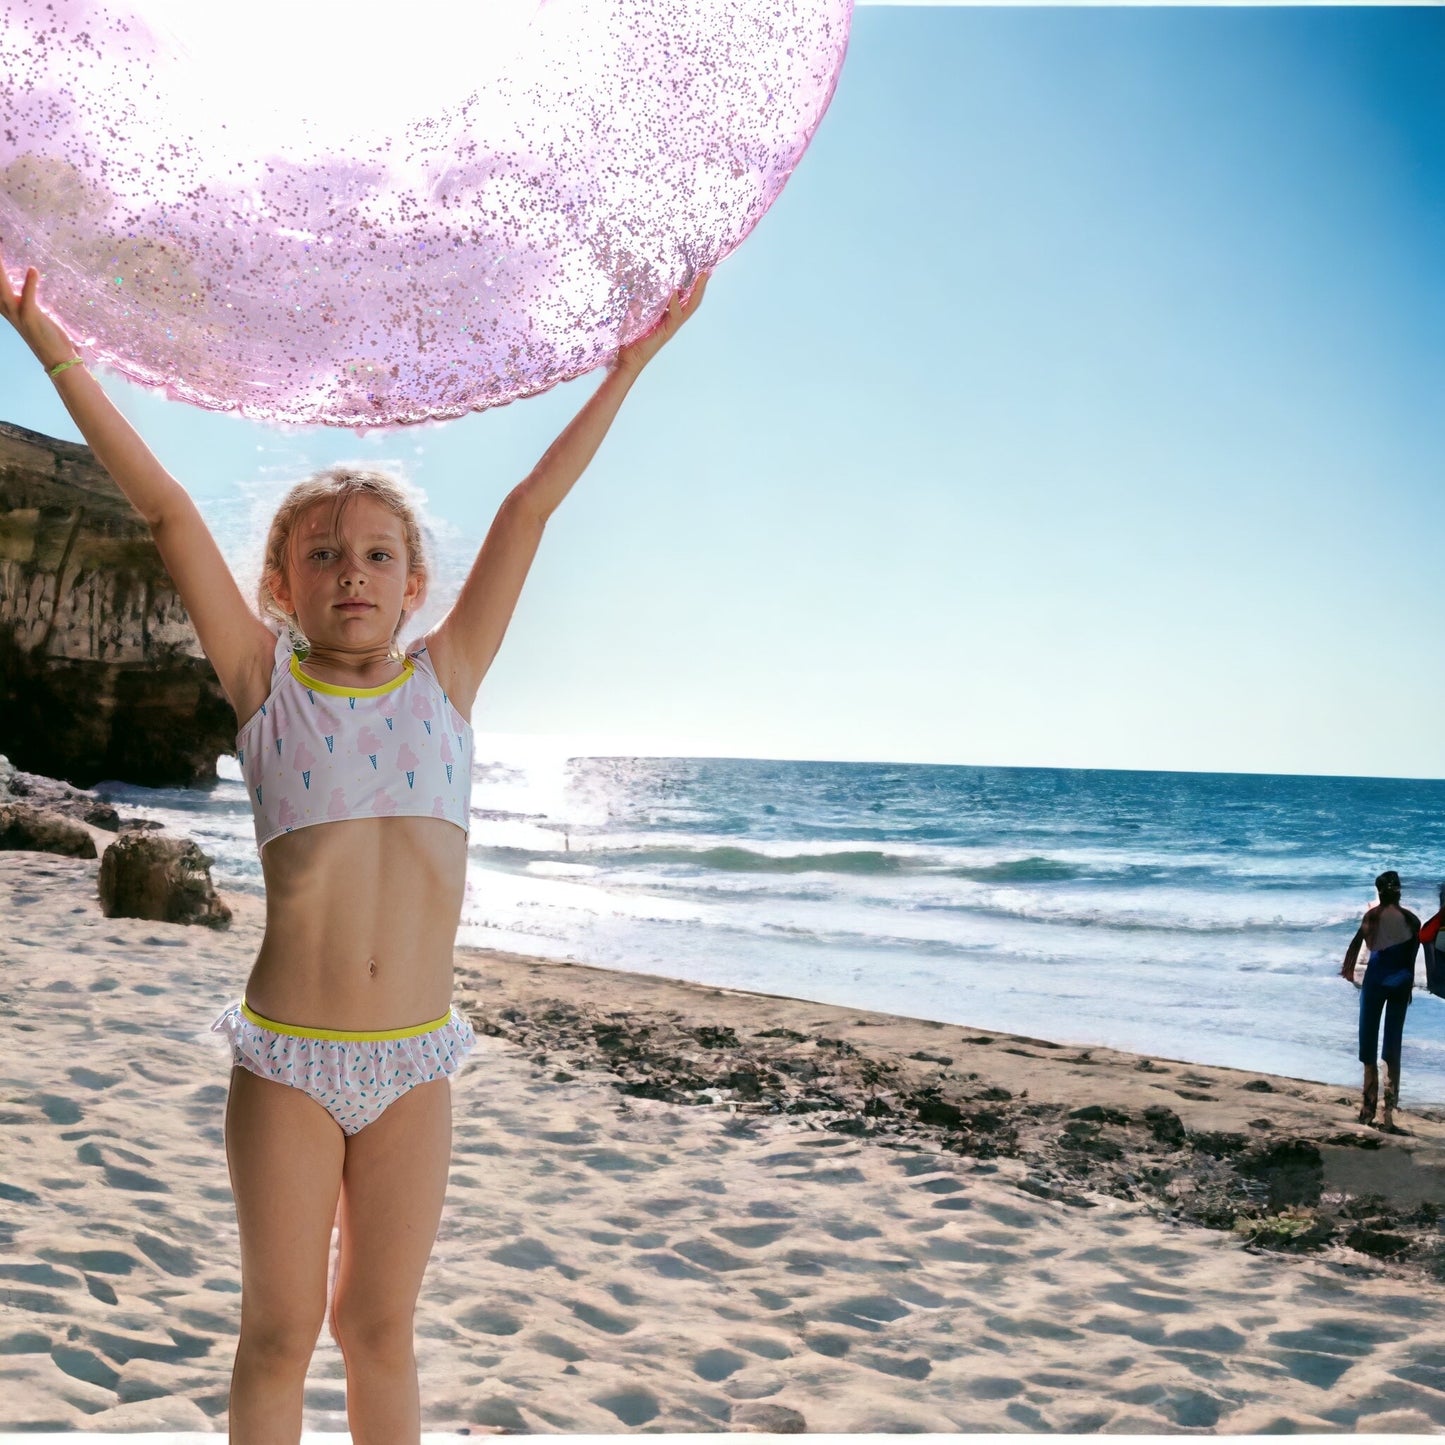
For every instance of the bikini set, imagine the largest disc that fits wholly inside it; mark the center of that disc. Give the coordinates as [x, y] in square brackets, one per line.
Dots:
[317, 753]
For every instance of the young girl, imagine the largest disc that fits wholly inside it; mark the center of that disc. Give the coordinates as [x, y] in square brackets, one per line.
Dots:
[357, 762]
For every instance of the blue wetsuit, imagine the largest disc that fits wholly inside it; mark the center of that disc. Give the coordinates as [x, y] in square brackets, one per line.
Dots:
[1389, 982]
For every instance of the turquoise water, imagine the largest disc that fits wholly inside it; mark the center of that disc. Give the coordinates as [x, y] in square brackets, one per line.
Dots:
[1190, 916]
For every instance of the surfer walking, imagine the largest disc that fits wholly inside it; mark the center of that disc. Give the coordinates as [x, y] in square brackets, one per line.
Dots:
[1392, 935]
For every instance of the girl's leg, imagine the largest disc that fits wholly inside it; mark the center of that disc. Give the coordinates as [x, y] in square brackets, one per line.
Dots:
[393, 1186]
[1370, 1097]
[285, 1154]
[1395, 1008]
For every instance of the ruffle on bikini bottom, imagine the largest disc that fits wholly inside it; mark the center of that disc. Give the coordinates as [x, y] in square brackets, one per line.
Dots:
[354, 1079]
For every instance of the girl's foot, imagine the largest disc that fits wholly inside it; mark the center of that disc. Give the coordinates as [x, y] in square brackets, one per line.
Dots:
[1365, 1116]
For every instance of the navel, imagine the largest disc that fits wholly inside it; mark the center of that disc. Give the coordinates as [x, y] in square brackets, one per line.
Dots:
[371, 967]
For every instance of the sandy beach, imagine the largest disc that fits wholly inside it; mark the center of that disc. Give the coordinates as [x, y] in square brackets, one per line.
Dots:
[678, 1208]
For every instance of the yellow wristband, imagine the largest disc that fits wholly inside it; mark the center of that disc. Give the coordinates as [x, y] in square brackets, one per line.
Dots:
[63, 365]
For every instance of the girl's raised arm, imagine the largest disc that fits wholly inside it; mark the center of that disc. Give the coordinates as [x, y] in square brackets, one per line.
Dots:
[235, 640]
[466, 640]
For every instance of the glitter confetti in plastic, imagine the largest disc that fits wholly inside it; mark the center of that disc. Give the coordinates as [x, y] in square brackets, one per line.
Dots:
[304, 217]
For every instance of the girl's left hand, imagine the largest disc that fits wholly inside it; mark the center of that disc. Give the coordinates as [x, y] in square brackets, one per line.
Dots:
[631, 359]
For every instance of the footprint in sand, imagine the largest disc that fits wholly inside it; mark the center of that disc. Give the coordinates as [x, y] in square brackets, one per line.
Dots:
[95, 1261]
[118, 1178]
[633, 1407]
[558, 1348]
[715, 1365]
[866, 1312]
[849, 1231]
[752, 1236]
[1151, 1299]
[762, 1345]
[489, 1320]
[771, 1299]
[601, 1319]
[709, 1256]
[530, 1254]
[905, 1367]
[57, 1108]
[172, 1258]
[89, 1079]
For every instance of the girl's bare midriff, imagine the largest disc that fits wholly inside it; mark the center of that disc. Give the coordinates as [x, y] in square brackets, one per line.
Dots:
[361, 919]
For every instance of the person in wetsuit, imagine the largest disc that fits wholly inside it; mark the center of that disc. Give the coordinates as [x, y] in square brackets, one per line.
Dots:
[1434, 952]
[1392, 934]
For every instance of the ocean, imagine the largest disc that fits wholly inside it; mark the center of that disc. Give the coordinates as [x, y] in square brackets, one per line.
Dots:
[1199, 917]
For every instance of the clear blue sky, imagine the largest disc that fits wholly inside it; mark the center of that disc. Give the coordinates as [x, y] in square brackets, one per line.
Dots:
[1081, 402]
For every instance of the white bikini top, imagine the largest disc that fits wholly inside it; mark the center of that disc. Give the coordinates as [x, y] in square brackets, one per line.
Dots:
[319, 753]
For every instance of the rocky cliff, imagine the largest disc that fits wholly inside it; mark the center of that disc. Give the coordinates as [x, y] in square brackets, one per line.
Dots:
[101, 673]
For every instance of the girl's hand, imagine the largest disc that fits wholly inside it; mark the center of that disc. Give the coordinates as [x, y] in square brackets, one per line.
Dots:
[38, 330]
[631, 359]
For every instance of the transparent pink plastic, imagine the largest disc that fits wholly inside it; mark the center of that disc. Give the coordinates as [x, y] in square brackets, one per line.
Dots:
[359, 269]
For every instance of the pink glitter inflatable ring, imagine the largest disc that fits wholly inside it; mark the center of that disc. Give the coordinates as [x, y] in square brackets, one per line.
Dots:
[470, 205]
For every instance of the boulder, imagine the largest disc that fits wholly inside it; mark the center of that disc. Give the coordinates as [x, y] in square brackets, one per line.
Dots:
[156, 876]
[57, 797]
[41, 830]
[101, 672]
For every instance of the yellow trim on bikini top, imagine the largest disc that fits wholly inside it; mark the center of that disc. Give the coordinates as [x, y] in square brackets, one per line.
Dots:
[351, 1036]
[330, 687]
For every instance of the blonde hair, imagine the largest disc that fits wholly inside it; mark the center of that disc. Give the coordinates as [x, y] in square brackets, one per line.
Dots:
[338, 485]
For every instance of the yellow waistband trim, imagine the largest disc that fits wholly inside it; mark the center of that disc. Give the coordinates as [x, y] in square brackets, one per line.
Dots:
[334, 691]
[345, 1035]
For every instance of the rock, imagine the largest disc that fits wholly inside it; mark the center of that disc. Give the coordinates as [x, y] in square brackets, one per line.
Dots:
[39, 830]
[1100, 1114]
[1218, 1143]
[145, 875]
[1377, 1242]
[1292, 1169]
[769, 1418]
[933, 1110]
[1165, 1125]
[101, 673]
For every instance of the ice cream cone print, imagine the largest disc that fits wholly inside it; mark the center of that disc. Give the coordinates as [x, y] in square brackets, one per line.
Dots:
[421, 708]
[449, 772]
[241, 757]
[278, 747]
[352, 701]
[368, 743]
[407, 761]
[303, 761]
[286, 814]
[384, 802]
[330, 742]
[258, 792]
[388, 721]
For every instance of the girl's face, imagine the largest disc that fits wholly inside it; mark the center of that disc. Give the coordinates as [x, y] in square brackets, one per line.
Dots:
[346, 579]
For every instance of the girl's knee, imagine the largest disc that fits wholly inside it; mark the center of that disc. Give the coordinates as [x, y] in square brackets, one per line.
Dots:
[281, 1342]
[373, 1335]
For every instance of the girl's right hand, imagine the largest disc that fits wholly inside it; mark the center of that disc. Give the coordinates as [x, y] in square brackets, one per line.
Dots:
[40, 332]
